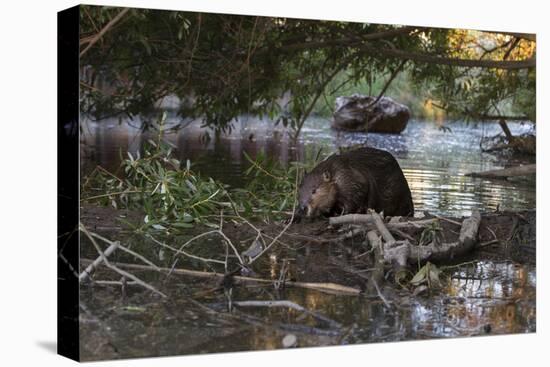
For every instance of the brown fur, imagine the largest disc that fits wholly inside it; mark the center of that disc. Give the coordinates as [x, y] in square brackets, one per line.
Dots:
[354, 181]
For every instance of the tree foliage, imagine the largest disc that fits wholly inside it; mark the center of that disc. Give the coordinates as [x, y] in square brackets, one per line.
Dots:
[223, 66]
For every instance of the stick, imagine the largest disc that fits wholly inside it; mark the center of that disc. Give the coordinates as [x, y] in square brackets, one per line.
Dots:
[114, 282]
[447, 220]
[445, 251]
[287, 304]
[125, 249]
[332, 288]
[488, 243]
[399, 232]
[114, 267]
[378, 273]
[274, 240]
[369, 219]
[97, 261]
[412, 223]
[104, 30]
[351, 219]
[180, 251]
[387, 84]
[386, 235]
[380, 294]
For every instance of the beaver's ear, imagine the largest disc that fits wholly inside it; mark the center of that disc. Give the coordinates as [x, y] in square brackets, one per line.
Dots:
[326, 176]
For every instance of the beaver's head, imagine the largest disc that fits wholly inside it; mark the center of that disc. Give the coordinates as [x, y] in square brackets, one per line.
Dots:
[317, 194]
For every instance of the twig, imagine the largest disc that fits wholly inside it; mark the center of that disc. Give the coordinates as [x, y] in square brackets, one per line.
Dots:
[386, 235]
[399, 232]
[368, 219]
[104, 30]
[112, 194]
[447, 220]
[114, 267]
[287, 304]
[375, 284]
[332, 288]
[86, 273]
[206, 260]
[114, 282]
[488, 243]
[378, 274]
[274, 240]
[218, 231]
[284, 326]
[492, 232]
[387, 84]
[125, 249]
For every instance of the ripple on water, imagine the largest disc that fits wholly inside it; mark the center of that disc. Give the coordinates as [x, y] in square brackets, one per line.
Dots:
[483, 297]
[433, 161]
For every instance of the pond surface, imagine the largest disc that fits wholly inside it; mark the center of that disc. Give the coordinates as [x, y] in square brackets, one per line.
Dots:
[487, 298]
[483, 297]
[434, 160]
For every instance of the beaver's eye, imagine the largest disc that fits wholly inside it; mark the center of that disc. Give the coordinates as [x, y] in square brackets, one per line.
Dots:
[313, 191]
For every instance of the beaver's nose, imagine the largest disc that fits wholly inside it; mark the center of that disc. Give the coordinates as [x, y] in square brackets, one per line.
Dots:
[299, 213]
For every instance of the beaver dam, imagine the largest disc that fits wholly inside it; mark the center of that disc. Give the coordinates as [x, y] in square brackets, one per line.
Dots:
[214, 265]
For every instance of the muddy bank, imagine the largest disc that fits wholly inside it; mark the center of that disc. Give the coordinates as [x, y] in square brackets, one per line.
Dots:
[504, 232]
[490, 291]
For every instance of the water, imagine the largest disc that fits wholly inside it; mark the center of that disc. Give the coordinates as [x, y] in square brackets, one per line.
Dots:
[486, 296]
[433, 161]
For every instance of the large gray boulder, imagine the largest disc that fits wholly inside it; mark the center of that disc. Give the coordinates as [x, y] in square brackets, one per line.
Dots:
[357, 113]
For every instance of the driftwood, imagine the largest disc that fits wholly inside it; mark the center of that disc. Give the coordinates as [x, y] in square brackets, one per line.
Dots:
[525, 170]
[404, 252]
[368, 219]
[401, 253]
[386, 235]
[447, 251]
[331, 288]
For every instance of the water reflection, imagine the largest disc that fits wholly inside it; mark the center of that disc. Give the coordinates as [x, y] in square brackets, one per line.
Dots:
[484, 298]
[433, 161]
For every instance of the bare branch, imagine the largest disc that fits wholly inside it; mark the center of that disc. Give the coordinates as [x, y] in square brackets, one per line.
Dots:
[104, 30]
[433, 59]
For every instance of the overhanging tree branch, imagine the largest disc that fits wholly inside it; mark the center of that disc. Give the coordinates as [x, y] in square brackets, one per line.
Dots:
[350, 41]
[104, 30]
[527, 36]
[432, 59]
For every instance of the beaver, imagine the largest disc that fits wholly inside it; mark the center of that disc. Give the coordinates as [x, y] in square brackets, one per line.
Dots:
[354, 181]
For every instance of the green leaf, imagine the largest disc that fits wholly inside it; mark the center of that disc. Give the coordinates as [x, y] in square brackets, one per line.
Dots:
[182, 225]
[421, 276]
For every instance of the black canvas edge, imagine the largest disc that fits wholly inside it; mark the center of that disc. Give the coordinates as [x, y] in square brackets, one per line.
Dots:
[68, 336]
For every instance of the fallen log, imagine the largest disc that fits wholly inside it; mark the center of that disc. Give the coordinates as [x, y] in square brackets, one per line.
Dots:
[525, 170]
[447, 251]
[401, 253]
